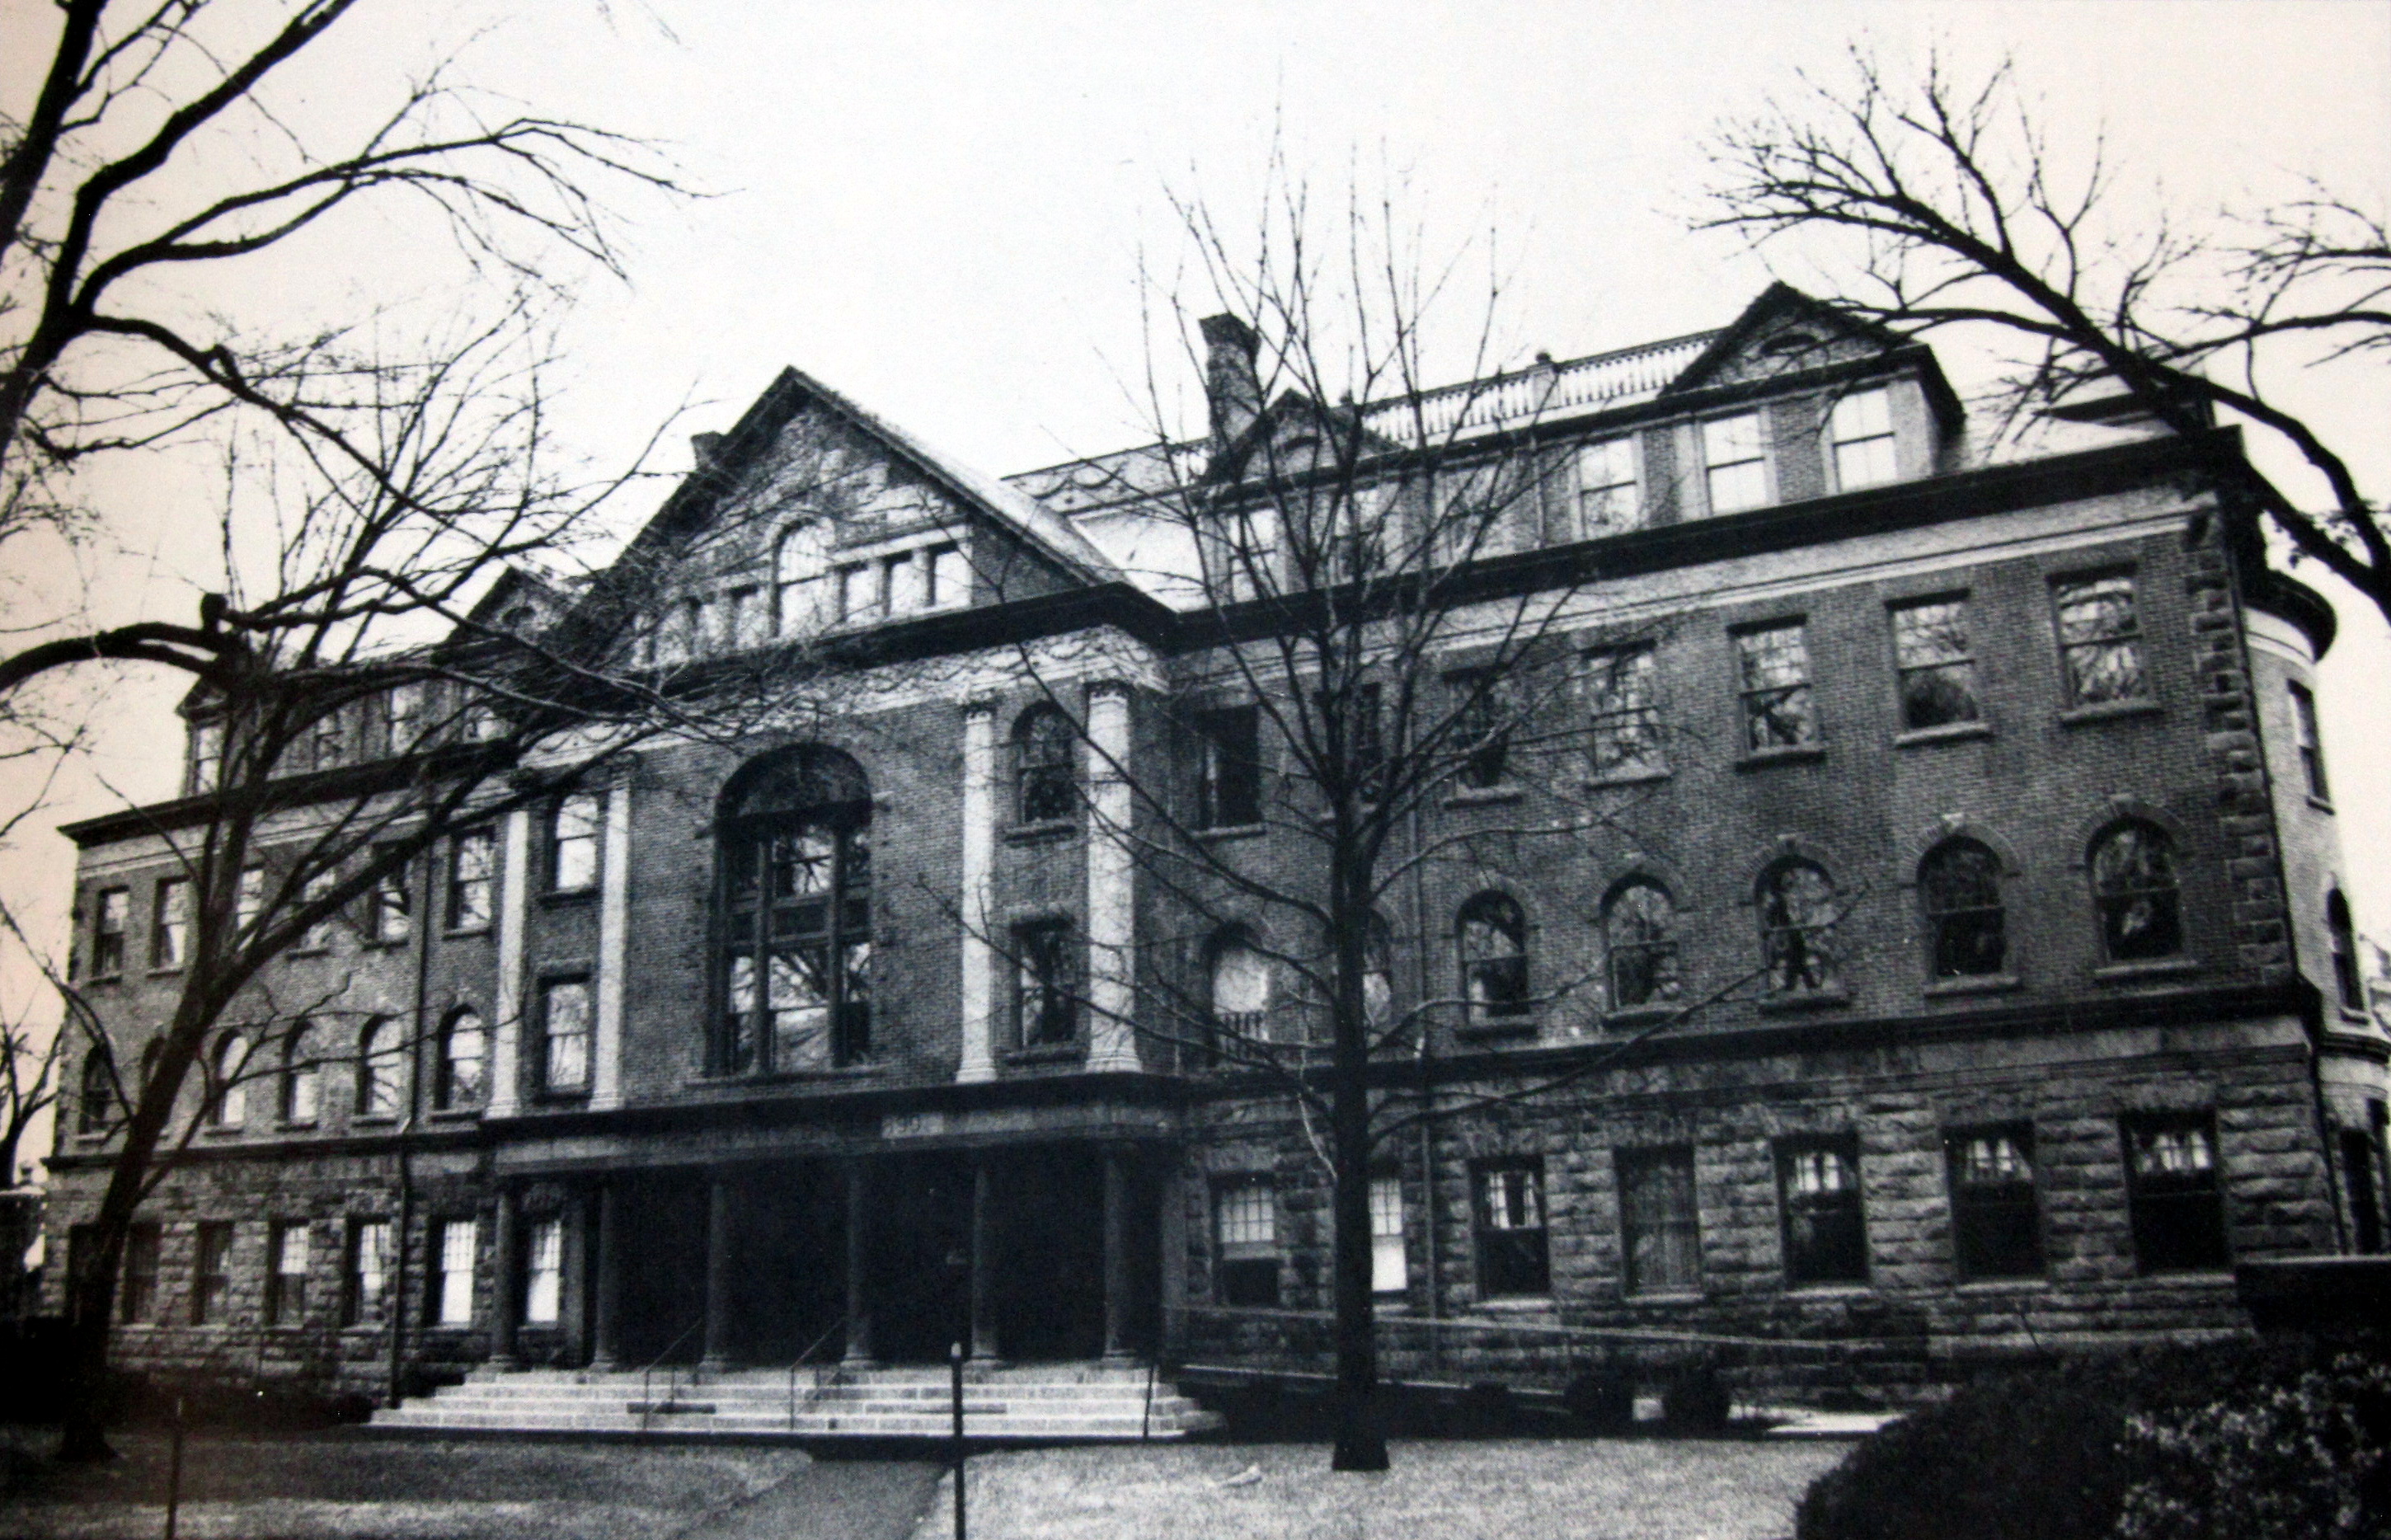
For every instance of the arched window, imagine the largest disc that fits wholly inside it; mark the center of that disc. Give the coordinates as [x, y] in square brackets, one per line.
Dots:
[464, 1049]
[1042, 768]
[98, 1100]
[1639, 931]
[1241, 988]
[2133, 886]
[795, 870]
[1797, 928]
[227, 1096]
[1960, 892]
[798, 561]
[1495, 959]
[377, 1066]
[2344, 933]
[303, 1076]
[1378, 975]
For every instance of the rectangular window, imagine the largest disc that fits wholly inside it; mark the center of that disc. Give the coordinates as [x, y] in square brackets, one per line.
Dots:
[950, 578]
[211, 1272]
[389, 915]
[472, 880]
[1622, 719]
[1483, 719]
[366, 1284]
[1936, 672]
[2173, 1193]
[2100, 639]
[207, 755]
[1773, 666]
[1610, 498]
[1367, 739]
[328, 741]
[406, 719]
[907, 582]
[1512, 1259]
[170, 932]
[1996, 1220]
[450, 1289]
[544, 1273]
[565, 1036]
[136, 1292]
[572, 842]
[1245, 1230]
[697, 624]
[741, 618]
[1044, 1005]
[1390, 1272]
[1229, 774]
[1660, 1241]
[1735, 462]
[2304, 732]
[286, 1283]
[249, 899]
[110, 912]
[316, 936]
[859, 592]
[1861, 427]
[1818, 1192]
[1249, 556]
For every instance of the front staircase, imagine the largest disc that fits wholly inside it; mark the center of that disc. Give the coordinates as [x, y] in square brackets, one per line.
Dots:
[1030, 1401]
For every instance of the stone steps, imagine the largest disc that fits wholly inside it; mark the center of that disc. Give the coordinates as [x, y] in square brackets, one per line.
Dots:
[1045, 1402]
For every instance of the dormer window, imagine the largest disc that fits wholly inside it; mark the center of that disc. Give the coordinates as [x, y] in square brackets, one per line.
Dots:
[1735, 463]
[1610, 499]
[1861, 428]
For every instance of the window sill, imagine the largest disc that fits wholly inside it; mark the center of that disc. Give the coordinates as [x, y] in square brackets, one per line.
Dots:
[1628, 778]
[2187, 1274]
[2319, 803]
[454, 1114]
[385, 943]
[2108, 711]
[1638, 1016]
[575, 1096]
[2354, 1016]
[459, 933]
[2136, 973]
[1040, 833]
[105, 979]
[1816, 1000]
[1664, 1297]
[1836, 1285]
[563, 898]
[168, 970]
[1995, 1286]
[374, 1120]
[1949, 732]
[1046, 1053]
[307, 1127]
[223, 1131]
[1792, 753]
[1479, 797]
[1984, 983]
[1233, 831]
[1517, 1303]
[95, 1139]
[309, 952]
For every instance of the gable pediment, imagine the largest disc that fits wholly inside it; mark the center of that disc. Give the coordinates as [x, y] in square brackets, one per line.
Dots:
[1783, 334]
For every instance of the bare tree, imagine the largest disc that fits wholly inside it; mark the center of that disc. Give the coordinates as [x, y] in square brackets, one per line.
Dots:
[1944, 202]
[29, 1061]
[1368, 569]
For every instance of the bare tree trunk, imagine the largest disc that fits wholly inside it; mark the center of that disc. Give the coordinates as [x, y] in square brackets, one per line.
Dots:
[1360, 1431]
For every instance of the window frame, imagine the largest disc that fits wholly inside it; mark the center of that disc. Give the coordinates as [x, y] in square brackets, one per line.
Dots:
[391, 894]
[555, 1046]
[2309, 739]
[1045, 984]
[1514, 1261]
[299, 1084]
[1759, 703]
[1780, 931]
[472, 895]
[170, 924]
[227, 1088]
[1838, 440]
[1760, 456]
[1647, 1212]
[1613, 717]
[1389, 1243]
[212, 1247]
[1248, 1271]
[2341, 943]
[447, 1096]
[771, 920]
[1823, 1232]
[583, 846]
[1485, 718]
[445, 1281]
[138, 1294]
[361, 1305]
[544, 1271]
[379, 1089]
[110, 943]
[1630, 448]
[2126, 642]
[286, 1292]
[1996, 1224]
[1663, 950]
[96, 1092]
[2156, 1202]
[1906, 667]
[1229, 768]
[1045, 768]
[1939, 922]
[1500, 1005]
[2164, 892]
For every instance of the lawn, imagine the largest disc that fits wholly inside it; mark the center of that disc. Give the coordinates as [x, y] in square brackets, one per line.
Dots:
[1634, 1489]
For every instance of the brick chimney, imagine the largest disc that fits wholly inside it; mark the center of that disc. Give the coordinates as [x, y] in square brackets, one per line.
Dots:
[1230, 384]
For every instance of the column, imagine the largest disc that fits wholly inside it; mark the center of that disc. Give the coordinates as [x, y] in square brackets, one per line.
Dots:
[614, 948]
[979, 893]
[606, 1307]
[718, 1272]
[505, 1292]
[506, 1031]
[858, 1255]
[1116, 1252]
[983, 1260]
[1112, 893]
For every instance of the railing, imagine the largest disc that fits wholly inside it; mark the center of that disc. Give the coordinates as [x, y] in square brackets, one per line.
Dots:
[672, 1375]
[1545, 390]
[799, 1362]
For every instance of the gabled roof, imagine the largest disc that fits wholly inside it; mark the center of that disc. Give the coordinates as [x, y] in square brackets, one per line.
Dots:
[1780, 305]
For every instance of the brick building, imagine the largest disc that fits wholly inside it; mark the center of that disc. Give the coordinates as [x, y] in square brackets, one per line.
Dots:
[1962, 817]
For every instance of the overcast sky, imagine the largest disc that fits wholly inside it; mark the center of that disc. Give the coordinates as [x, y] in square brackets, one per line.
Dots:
[942, 209]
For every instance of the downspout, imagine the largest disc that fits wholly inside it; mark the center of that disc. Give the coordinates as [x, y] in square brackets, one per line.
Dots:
[1425, 1060]
[423, 932]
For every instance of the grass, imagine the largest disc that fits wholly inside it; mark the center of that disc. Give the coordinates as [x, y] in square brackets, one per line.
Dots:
[1633, 1489]
[338, 1487]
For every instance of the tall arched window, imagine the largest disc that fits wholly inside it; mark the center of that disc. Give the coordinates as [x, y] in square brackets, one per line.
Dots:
[799, 560]
[1241, 988]
[1959, 893]
[2134, 887]
[2343, 932]
[378, 1068]
[227, 1096]
[1493, 935]
[1043, 773]
[1797, 928]
[97, 1099]
[795, 866]
[1639, 930]
[464, 1050]
[303, 1076]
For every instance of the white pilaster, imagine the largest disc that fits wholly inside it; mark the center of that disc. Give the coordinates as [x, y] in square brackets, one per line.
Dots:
[614, 947]
[979, 958]
[1112, 895]
[515, 897]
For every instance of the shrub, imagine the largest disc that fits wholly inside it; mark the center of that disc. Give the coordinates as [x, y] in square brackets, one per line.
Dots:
[1602, 1398]
[2309, 1459]
[2030, 1457]
[1696, 1399]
